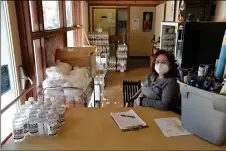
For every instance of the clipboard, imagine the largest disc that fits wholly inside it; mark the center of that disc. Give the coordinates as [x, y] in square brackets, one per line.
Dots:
[125, 121]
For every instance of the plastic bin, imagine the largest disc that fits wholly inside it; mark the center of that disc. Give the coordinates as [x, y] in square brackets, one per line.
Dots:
[204, 113]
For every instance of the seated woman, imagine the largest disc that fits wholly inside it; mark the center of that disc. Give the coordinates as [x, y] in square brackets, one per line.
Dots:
[160, 89]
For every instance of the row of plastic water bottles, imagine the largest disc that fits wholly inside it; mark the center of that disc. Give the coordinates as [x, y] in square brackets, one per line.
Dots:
[38, 119]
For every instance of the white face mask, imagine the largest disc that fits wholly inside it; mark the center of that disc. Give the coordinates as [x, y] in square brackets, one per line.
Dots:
[161, 68]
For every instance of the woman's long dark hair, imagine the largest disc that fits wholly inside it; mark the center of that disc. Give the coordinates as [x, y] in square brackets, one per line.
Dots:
[173, 72]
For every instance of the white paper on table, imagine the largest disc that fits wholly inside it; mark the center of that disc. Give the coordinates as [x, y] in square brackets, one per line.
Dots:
[171, 127]
[126, 123]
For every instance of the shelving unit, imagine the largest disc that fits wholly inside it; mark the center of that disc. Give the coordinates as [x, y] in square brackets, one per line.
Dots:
[101, 41]
[169, 34]
[121, 57]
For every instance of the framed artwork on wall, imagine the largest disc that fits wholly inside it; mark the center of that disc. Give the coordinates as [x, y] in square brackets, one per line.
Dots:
[147, 21]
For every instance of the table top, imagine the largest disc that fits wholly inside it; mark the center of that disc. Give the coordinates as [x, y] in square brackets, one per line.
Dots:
[93, 128]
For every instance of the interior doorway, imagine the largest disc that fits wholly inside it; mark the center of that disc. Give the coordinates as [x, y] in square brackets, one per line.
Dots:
[113, 20]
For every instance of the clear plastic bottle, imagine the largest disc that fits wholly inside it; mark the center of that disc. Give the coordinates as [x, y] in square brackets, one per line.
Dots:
[31, 100]
[42, 122]
[33, 125]
[25, 120]
[60, 108]
[18, 128]
[52, 124]
[48, 102]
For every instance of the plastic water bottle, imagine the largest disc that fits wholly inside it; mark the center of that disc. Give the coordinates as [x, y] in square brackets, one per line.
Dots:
[31, 100]
[33, 125]
[48, 102]
[52, 125]
[40, 102]
[18, 128]
[25, 119]
[60, 108]
[42, 122]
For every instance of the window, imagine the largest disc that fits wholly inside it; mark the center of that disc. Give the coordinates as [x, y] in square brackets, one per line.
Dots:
[69, 13]
[8, 94]
[9, 89]
[70, 35]
[51, 14]
[45, 26]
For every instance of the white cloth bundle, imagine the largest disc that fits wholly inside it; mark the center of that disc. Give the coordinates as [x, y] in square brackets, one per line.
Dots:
[63, 67]
[59, 70]
[79, 77]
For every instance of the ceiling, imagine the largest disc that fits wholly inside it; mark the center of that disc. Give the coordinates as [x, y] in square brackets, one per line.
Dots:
[123, 2]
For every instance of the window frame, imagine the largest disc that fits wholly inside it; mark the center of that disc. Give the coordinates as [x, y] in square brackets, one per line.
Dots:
[27, 36]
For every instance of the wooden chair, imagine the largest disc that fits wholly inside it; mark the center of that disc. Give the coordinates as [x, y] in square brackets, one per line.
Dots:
[130, 88]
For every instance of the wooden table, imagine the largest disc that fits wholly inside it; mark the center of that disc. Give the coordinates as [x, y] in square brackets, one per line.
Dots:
[94, 129]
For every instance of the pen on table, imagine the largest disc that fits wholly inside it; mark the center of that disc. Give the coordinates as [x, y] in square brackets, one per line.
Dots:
[130, 116]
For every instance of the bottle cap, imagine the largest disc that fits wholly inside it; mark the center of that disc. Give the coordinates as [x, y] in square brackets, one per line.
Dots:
[31, 99]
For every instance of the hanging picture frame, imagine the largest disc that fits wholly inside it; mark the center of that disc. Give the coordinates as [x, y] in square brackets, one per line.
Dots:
[147, 21]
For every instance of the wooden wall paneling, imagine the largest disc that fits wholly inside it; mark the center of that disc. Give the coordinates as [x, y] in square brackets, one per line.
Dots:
[64, 21]
[38, 62]
[30, 44]
[35, 15]
[44, 59]
[23, 41]
[23, 36]
[40, 15]
[61, 16]
[25, 33]
[89, 28]
[128, 30]
[37, 35]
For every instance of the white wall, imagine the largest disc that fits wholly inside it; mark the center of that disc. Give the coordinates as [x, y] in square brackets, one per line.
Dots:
[169, 11]
[140, 42]
[159, 17]
[220, 12]
[85, 20]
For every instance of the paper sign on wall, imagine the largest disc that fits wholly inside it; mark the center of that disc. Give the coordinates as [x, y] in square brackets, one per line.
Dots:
[135, 24]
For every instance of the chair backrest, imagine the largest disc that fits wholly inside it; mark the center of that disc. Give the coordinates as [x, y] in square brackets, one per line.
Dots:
[130, 88]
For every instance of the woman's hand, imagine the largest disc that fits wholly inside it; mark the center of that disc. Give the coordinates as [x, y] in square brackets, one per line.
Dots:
[127, 105]
[136, 102]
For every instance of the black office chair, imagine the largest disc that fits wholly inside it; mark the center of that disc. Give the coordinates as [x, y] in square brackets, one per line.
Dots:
[130, 88]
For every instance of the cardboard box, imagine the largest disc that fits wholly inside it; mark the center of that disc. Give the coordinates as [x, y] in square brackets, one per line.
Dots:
[78, 56]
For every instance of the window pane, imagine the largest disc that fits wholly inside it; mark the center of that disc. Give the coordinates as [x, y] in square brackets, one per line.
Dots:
[8, 91]
[69, 13]
[70, 38]
[8, 94]
[34, 16]
[51, 14]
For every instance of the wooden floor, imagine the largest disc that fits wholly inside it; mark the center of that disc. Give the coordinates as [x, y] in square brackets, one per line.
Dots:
[113, 96]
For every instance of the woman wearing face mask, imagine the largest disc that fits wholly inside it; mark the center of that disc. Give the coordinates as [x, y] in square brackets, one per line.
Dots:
[160, 89]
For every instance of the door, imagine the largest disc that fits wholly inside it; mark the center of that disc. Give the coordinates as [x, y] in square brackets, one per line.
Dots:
[140, 39]
[10, 61]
